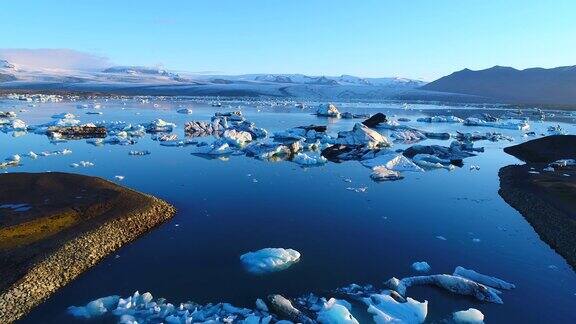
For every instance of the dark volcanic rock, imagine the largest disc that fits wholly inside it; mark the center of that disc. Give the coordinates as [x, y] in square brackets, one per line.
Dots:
[546, 149]
[547, 201]
[78, 131]
[375, 120]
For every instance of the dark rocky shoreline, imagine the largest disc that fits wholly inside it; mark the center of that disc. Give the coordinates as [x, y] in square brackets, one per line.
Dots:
[112, 217]
[545, 195]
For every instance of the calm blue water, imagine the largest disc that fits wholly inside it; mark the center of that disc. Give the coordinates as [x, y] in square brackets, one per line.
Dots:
[344, 236]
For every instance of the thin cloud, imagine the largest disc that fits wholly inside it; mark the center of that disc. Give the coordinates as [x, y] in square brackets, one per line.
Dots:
[55, 58]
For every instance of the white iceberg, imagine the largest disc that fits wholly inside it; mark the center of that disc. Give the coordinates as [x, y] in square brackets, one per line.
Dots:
[360, 135]
[336, 312]
[269, 260]
[328, 110]
[509, 124]
[381, 173]
[307, 160]
[440, 119]
[385, 309]
[470, 316]
[392, 161]
[217, 148]
[159, 125]
[237, 138]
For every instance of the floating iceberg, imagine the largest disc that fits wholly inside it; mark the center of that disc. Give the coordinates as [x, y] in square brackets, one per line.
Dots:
[328, 110]
[64, 116]
[361, 135]
[427, 161]
[381, 173]
[483, 279]
[422, 266]
[440, 119]
[508, 124]
[470, 316]
[305, 159]
[392, 161]
[408, 135]
[336, 312]
[385, 309]
[159, 125]
[185, 111]
[455, 284]
[217, 148]
[237, 138]
[95, 308]
[269, 260]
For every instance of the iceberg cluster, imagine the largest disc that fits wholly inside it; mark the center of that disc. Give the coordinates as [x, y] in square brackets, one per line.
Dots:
[269, 260]
[386, 305]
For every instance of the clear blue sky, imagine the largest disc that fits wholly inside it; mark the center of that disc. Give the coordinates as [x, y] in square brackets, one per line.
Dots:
[418, 39]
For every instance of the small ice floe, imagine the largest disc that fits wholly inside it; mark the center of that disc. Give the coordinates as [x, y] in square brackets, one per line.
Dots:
[470, 316]
[119, 177]
[385, 309]
[159, 126]
[440, 119]
[93, 113]
[533, 172]
[328, 110]
[563, 163]
[408, 135]
[422, 266]
[64, 116]
[392, 161]
[307, 160]
[219, 147]
[237, 138]
[556, 130]
[497, 123]
[336, 312]
[361, 135]
[83, 164]
[483, 279]
[427, 161]
[269, 260]
[359, 189]
[139, 153]
[441, 238]
[17, 207]
[185, 111]
[474, 168]
[95, 308]
[548, 169]
[381, 173]
[476, 240]
[18, 125]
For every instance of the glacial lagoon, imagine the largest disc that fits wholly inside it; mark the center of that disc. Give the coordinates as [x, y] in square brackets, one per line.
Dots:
[347, 227]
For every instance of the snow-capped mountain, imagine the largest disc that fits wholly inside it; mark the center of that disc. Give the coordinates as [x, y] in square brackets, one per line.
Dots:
[150, 80]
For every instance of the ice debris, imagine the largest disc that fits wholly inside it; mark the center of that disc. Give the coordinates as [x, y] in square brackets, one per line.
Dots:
[385, 309]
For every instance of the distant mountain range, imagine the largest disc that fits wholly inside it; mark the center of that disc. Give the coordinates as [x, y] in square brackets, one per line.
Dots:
[133, 80]
[494, 85]
[529, 86]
